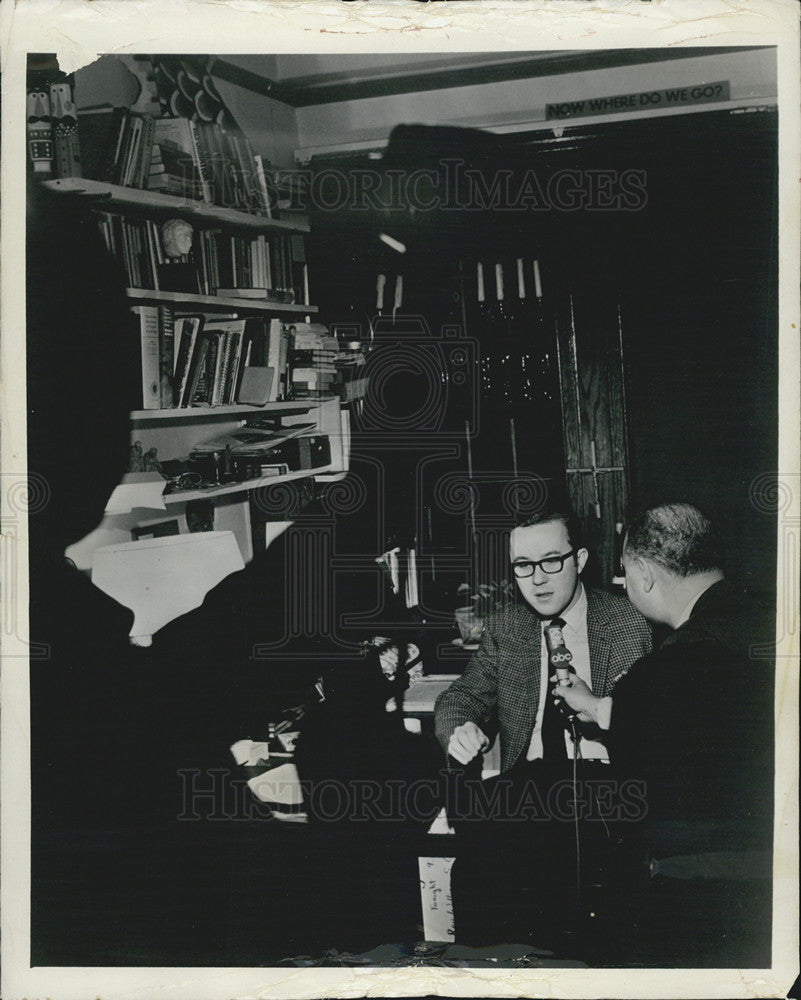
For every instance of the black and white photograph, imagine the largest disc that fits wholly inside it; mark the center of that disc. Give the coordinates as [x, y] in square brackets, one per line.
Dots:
[400, 500]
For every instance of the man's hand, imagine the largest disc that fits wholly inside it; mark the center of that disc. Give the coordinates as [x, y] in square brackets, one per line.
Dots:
[579, 697]
[466, 742]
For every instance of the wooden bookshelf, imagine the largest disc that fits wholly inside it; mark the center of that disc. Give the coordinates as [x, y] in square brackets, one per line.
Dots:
[189, 302]
[152, 203]
[172, 434]
[208, 492]
[176, 433]
[195, 413]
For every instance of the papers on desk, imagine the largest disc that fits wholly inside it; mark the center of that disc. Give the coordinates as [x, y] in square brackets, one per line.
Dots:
[421, 696]
[281, 786]
[250, 753]
[288, 740]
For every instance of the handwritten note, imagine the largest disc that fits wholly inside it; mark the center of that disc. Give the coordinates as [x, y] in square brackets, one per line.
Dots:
[435, 893]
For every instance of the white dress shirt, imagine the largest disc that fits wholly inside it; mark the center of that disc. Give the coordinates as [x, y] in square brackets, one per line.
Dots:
[576, 640]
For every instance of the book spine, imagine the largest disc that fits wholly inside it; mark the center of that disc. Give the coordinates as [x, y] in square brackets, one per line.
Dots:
[127, 259]
[183, 340]
[297, 267]
[225, 368]
[132, 152]
[252, 197]
[214, 263]
[283, 361]
[146, 151]
[204, 167]
[262, 186]
[120, 245]
[166, 355]
[272, 273]
[108, 168]
[235, 174]
[203, 263]
[274, 356]
[149, 345]
[235, 269]
[236, 366]
[206, 388]
[123, 149]
[261, 253]
[220, 249]
[136, 254]
[214, 369]
[197, 370]
[187, 375]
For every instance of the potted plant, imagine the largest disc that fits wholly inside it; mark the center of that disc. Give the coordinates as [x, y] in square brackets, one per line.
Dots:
[477, 603]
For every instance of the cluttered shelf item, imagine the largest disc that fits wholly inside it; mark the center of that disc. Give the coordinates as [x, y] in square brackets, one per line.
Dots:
[199, 359]
[160, 176]
[165, 246]
[222, 451]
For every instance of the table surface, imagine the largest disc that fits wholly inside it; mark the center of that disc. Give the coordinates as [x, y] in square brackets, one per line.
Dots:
[420, 697]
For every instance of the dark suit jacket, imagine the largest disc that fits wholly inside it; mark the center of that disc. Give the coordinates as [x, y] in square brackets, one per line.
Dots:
[694, 722]
[504, 672]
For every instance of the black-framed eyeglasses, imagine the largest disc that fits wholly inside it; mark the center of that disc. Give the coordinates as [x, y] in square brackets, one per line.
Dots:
[551, 565]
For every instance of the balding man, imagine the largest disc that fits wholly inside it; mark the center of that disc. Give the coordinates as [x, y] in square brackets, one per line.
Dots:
[693, 720]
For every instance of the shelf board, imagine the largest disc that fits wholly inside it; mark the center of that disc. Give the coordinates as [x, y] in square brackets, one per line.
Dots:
[184, 496]
[216, 303]
[195, 413]
[152, 202]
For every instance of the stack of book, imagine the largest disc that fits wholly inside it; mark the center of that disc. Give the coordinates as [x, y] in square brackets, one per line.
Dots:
[350, 362]
[194, 159]
[115, 145]
[200, 359]
[312, 361]
[172, 172]
[137, 243]
[221, 264]
[271, 267]
[210, 361]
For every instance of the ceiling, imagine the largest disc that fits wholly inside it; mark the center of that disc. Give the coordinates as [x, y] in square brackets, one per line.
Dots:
[303, 80]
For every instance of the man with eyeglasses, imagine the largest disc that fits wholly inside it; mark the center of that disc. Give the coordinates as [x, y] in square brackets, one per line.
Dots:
[502, 870]
[508, 674]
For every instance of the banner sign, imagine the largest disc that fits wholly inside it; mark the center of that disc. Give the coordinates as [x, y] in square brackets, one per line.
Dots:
[702, 93]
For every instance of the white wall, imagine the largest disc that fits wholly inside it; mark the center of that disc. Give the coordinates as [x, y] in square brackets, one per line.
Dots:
[752, 76]
[276, 130]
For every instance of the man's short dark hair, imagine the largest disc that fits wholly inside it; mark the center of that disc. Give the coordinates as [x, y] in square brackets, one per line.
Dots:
[676, 536]
[566, 516]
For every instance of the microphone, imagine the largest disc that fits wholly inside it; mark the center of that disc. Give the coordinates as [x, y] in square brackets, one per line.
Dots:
[559, 657]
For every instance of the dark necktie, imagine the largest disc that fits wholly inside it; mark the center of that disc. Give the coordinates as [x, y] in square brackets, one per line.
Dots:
[553, 721]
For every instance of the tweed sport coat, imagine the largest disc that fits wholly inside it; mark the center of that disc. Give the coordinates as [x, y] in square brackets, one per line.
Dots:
[503, 675]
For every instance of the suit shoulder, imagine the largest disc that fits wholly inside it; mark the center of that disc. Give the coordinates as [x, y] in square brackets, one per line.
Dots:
[615, 607]
[509, 617]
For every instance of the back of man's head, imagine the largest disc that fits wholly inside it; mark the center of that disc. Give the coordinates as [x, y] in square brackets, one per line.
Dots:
[676, 537]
